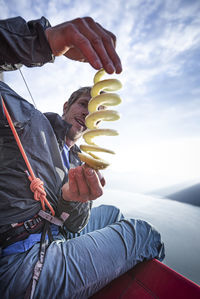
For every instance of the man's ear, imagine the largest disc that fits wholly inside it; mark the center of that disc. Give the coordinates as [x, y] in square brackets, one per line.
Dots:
[65, 107]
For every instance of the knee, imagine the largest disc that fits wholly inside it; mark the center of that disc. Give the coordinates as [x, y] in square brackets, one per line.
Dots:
[112, 211]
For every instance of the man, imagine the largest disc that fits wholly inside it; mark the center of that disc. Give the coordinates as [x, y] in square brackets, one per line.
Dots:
[108, 245]
[68, 130]
[75, 111]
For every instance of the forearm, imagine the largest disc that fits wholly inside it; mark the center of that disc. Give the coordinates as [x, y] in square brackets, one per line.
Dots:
[23, 43]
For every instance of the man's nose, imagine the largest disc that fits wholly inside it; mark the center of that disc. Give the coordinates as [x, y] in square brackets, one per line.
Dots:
[85, 112]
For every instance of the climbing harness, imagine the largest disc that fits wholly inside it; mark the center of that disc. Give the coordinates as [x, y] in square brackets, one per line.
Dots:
[16, 232]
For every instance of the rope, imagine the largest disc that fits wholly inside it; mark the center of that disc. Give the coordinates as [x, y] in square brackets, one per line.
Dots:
[36, 185]
[27, 88]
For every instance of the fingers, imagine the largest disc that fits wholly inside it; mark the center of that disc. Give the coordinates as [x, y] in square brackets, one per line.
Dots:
[106, 49]
[78, 188]
[89, 30]
[80, 41]
[100, 176]
[94, 183]
[73, 187]
[70, 189]
[102, 41]
[83, 185]
[83, 39]
[83, 189]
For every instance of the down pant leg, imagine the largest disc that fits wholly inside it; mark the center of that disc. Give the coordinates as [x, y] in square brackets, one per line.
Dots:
[100, 217]
[79, 267]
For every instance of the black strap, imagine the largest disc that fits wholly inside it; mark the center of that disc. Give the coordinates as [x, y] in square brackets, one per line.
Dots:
[18, 233]
[38, 266]
[10, 234]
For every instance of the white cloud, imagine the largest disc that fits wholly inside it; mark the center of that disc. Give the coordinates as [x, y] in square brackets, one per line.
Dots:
[178, 10]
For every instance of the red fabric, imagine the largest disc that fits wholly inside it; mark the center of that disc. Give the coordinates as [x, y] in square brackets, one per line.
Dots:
[150, 279]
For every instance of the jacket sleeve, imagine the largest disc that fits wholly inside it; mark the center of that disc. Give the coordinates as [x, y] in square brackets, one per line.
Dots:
[79, 214]
[23, 43]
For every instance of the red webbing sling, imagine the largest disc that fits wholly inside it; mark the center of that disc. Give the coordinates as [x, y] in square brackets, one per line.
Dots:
[36, 185]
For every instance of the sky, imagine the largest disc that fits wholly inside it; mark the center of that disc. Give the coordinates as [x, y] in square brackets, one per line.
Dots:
[159, 45]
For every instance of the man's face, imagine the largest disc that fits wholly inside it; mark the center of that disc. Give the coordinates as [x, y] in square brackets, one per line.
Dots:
[75, 116]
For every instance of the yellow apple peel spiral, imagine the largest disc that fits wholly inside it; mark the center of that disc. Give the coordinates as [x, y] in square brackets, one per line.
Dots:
[105, 99]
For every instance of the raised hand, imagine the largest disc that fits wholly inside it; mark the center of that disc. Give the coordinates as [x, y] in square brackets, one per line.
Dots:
[84, 40]
[84, 184]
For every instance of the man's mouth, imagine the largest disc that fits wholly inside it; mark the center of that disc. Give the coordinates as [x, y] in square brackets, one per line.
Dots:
[81, 122]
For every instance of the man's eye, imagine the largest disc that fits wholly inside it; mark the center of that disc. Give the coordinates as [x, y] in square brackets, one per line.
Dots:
[84, 105]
